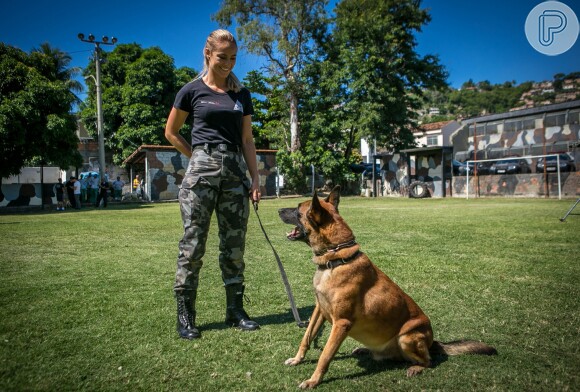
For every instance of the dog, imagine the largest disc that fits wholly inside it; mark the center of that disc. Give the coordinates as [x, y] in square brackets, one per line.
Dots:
[358, 299]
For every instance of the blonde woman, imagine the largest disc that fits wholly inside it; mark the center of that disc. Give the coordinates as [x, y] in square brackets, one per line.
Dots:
[221, 150]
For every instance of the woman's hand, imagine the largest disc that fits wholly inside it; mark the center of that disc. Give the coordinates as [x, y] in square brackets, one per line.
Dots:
[255, 194]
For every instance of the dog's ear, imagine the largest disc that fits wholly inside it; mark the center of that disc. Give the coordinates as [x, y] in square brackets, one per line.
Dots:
[334, 197]
[316, 214]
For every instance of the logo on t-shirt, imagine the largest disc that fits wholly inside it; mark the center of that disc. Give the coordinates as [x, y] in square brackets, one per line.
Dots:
[238, 106]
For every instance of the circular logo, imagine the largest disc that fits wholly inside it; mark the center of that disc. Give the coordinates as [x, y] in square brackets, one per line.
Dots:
[552, 28]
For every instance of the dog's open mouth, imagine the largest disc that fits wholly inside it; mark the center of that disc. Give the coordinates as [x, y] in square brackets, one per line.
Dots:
[296, 234]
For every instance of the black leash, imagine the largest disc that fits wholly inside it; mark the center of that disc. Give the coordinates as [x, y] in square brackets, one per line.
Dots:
[301, 324]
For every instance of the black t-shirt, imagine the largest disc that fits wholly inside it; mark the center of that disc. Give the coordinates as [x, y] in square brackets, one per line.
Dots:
[59, 189]
[217, 117]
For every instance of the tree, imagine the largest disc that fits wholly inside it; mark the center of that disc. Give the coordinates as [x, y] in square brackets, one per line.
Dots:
[282, 31]
[60, 69]
[270, 119]
[382, 76]
[139, 86]
[369, 82]
[36, 124]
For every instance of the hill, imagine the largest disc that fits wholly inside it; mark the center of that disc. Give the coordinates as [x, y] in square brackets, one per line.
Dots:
[481, 98]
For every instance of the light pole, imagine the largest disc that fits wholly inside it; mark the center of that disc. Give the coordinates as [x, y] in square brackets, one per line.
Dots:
[105, 41]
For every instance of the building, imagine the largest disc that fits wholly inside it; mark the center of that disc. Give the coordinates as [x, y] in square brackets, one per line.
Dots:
[529, 132]
[162, 169]
[435, 134]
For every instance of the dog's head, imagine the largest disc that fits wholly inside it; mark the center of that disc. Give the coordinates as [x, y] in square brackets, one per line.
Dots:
[317, 222]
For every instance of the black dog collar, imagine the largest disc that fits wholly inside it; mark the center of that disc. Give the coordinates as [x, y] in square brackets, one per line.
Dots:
[338, 247]
[337, 262]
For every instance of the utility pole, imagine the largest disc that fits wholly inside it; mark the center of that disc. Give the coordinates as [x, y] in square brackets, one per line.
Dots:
[101, 137]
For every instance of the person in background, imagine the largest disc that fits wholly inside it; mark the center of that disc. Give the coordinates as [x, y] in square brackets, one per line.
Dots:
[59, 189]
[77, 193]
[93, 187]
[70, 191]
[84, 182]
[118, 188]
[222, 149]
[103, 193]
[137, 185]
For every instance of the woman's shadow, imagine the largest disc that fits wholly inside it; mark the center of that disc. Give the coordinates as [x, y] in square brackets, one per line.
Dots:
[272, 319]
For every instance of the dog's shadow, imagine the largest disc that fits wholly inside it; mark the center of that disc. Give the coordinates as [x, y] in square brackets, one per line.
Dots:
[371, 367]
[364, 361]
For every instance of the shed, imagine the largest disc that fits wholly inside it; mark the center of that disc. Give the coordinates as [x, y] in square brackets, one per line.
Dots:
[163, 167]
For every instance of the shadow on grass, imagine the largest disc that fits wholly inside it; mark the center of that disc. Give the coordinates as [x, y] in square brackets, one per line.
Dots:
[37, 210]
[371, 367]
[273, 319]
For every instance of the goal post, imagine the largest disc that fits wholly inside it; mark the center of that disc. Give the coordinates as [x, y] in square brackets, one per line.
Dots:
[516, 168]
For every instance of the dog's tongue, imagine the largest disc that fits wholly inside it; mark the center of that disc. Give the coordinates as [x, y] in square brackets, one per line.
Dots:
[293, 234]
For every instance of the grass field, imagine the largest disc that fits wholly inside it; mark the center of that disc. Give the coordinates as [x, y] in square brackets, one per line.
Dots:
[86, 299]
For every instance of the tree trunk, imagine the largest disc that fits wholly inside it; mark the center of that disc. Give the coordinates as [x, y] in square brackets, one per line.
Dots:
[294, 125]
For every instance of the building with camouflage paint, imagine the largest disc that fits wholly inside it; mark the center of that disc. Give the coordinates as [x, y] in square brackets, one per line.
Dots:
[162, 169]
[524, 133]
[549, 129]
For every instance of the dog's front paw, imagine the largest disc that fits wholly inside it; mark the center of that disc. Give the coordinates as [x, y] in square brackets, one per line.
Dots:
[415, 370]
[308, 384]
[292, 361]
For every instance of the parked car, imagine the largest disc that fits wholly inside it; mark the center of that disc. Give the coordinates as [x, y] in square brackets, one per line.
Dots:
[459, 168]
[510, 166]
[366, 169]
[462, 168]
[551, 163]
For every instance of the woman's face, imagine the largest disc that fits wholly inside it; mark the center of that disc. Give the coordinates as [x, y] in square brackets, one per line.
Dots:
[222, 59]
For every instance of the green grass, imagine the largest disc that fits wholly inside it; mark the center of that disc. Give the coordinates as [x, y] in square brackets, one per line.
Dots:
[86, 299]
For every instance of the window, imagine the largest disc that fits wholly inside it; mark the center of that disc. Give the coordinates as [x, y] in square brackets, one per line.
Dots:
[433, 140]
[555, 120]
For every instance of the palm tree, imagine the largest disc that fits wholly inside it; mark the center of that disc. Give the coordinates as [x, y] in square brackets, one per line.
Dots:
[60, 69]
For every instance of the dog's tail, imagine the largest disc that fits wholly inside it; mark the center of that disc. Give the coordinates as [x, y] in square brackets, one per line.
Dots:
[459, 347]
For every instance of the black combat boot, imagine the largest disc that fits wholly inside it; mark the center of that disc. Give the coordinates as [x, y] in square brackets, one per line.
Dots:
[186, 316]
[236, 316]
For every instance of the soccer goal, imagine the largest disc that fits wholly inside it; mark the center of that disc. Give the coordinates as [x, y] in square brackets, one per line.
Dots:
[511, 166]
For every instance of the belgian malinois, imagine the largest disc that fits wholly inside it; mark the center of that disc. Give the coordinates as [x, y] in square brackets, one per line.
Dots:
[358, 299]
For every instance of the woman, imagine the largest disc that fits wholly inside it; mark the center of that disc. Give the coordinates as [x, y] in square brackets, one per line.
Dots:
[222, 149]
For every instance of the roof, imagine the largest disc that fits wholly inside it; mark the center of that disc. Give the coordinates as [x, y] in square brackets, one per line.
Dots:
[135, 156]
[434, 126]
[525, 112]
[428, 149]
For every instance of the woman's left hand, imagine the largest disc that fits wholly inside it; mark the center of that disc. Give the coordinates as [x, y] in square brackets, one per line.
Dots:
[255, 194]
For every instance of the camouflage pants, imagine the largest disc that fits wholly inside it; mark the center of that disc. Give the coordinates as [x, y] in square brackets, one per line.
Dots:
[217, 181]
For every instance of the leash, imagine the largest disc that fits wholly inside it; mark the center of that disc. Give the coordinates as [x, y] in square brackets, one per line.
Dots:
[301, 324]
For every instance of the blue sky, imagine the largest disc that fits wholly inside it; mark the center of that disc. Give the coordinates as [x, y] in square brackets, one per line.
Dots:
[479, 40]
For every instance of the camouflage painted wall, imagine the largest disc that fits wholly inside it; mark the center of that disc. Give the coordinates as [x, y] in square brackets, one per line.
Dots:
[166, 170]
[425, 167]
[518, 185]
[527, 135]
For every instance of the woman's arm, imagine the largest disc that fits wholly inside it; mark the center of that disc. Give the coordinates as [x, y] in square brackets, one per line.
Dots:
[249, 152]
[175, 121]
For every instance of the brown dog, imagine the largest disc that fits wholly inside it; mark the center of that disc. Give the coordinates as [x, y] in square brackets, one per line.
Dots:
[358, 299]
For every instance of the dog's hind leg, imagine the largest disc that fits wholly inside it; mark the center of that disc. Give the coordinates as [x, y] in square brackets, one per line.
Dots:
[415, 349]
[316, 321]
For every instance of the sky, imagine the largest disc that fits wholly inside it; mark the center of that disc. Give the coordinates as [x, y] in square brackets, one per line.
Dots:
[478, 40]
